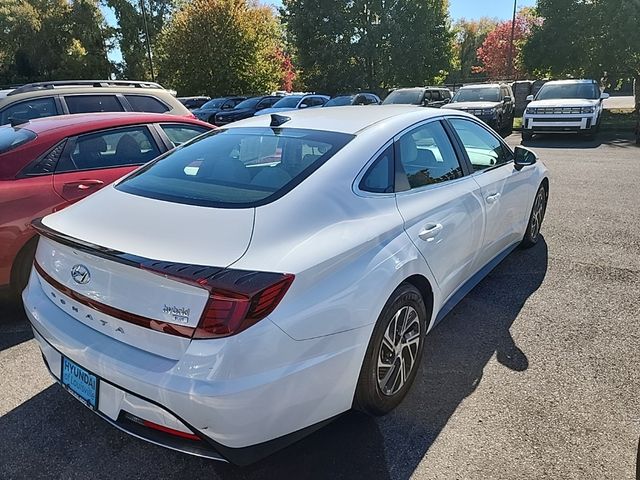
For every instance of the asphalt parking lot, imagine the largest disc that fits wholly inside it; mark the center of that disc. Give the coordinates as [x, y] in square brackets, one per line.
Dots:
[534, 375]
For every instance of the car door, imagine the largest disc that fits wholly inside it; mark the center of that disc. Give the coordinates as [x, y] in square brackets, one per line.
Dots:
[440, 204]
[94, 160]
[505, 190]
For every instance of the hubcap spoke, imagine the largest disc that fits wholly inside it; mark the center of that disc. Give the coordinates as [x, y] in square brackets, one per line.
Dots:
[398, 350]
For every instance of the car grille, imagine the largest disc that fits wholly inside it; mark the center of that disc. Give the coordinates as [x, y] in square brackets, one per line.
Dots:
[554, 110]
[562, 119]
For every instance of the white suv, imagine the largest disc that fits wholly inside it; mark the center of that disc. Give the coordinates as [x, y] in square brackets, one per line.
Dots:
[564, 106]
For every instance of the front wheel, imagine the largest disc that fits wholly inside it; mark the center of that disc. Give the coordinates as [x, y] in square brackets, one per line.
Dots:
[535, 220]
[394, 352]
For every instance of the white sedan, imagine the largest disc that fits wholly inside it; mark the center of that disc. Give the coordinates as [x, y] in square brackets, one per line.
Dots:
[247, 287]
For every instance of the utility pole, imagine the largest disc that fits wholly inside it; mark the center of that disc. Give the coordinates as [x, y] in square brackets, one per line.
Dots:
[511, 49]
[146, 33]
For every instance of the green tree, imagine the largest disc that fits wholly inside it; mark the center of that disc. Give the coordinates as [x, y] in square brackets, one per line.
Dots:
[221, 47]
[590, 39]
[52, 39]
[131, 33]
[347, 45]
[468, 38]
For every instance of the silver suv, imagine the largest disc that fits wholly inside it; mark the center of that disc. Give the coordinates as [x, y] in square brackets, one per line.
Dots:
[45, 99]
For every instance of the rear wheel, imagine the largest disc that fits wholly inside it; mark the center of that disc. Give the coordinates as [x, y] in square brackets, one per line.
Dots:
[394, 352]
[535, 220]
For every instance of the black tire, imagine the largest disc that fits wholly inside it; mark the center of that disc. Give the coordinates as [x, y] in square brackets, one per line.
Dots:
[527, 136]
[370, 397]
[538, 210]
[22, 268]
[509, 127]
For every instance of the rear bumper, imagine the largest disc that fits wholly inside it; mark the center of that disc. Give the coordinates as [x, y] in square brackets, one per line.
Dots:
[244, 396]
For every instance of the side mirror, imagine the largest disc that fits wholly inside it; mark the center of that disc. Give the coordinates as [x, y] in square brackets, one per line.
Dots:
[529, 98]
[524, 157]
[303, 105]
[447, 100]
[604, 96]
[507, 99]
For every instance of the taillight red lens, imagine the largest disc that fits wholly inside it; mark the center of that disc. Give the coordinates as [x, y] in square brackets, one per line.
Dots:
[229, 313]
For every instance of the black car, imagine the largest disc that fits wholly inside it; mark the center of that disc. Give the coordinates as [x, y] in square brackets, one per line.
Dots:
[193, 102]
[245, 109]
[492, 103]
[434, 97]
[207, 112]
[362, 98]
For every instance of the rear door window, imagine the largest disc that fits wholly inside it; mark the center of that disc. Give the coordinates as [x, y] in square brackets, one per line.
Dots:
[237, 167]
[110, 148]
[144, 103]
[427, 156]
[93, 103]
[179, 134]
[29, 109]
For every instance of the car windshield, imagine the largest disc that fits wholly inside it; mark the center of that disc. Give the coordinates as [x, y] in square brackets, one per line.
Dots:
[249, 103]
[569, 90]
[339, 101]
[13, 137]
[237, 167]
[215, 103]
[484, 94]
[287, 102]
[411, 97]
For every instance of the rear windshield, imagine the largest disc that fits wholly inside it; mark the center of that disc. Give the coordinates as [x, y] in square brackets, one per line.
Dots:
[287, 102]
[411, 97]
[13, 137]
[249, 103]
[481, 94]
[339, 101]
[589, 91]
[236, 168]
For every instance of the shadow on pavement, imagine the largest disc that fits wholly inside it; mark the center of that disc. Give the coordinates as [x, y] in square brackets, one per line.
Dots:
[14, 326]
[71, 442]
[572, 140]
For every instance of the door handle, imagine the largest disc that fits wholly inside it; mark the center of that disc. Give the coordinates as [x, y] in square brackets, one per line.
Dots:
[429, 232]
[84, 184]
[493, 198]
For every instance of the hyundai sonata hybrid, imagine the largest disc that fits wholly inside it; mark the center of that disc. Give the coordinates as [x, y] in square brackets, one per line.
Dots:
[246, 288]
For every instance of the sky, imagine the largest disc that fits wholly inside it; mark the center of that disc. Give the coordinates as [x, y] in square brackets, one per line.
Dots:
[469, 9]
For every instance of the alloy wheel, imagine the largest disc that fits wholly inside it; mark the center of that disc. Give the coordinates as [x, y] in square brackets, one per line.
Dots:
[538, 213]
[399, 350]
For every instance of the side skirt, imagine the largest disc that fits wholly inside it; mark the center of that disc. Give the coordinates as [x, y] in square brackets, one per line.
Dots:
[472, 282]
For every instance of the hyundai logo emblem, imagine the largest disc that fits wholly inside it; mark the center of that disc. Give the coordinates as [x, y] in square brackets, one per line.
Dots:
[80, 274]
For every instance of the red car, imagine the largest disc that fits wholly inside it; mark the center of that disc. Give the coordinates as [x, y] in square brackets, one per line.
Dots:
[49, 163]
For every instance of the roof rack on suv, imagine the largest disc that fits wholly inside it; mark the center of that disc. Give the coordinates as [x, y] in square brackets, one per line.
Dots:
[32, 87]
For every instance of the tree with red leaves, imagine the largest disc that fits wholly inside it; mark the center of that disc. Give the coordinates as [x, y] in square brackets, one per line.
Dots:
[495, 50]
[288, 73]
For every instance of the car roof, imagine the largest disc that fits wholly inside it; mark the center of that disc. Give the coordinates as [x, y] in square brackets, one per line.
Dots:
[83, 122]
[345, 119]
[577, 80]
[483, 85]
[420, 88]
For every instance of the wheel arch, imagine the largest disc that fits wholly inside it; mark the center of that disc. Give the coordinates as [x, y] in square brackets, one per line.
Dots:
[426, 291]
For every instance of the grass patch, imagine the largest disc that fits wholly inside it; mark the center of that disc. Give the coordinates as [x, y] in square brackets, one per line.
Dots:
[619, 120]
[517, 123]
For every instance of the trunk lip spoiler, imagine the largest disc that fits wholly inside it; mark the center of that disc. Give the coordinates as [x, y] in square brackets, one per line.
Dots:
[98, 250]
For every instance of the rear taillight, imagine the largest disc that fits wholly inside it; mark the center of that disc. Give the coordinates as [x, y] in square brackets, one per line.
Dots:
[237, 298]
[229, 313]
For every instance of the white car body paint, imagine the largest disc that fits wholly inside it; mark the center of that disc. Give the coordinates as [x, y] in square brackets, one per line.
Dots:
[348, 249]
